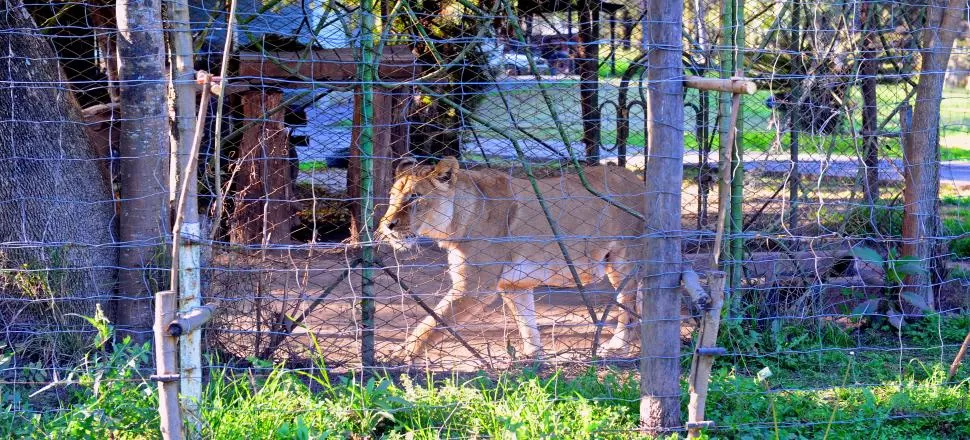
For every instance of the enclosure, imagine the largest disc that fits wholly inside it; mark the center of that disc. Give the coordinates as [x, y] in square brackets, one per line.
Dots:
[799, 217]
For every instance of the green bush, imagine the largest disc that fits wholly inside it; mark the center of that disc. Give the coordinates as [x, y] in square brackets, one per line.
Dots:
[879, 221]
[960, 247]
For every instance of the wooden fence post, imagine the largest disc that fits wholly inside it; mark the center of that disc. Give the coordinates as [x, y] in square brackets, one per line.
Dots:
[660, 329]
[703, 361]
[166, 369]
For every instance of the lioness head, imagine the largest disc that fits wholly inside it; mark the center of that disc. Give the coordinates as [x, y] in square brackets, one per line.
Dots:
[421, 202]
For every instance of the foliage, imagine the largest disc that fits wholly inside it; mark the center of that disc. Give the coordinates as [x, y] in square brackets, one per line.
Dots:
[109, 396]
[895, 270]
[880, 221]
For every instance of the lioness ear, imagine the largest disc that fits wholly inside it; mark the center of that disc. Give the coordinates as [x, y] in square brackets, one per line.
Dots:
[403, 164]
[446, 170]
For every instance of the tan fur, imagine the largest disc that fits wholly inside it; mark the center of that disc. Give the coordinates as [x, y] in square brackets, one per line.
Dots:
[499, 240]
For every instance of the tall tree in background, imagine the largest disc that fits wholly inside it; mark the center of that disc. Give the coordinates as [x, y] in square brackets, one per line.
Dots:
[921, 142]
[450, 27]
[144, 157]
[56, 208]
[587, 66]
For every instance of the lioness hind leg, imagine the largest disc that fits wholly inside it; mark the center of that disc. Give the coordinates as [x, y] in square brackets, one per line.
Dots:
[454, 308]
[522, 304]
[617, 270]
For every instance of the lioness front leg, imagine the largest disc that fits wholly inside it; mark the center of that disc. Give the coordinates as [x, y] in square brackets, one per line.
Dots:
[623, 335]
[453, 309]
[523, 307]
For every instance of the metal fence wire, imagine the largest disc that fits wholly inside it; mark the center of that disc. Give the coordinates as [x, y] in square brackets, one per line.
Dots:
[391, 188]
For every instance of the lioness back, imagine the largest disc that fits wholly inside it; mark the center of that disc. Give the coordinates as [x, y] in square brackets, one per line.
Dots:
[577, 212]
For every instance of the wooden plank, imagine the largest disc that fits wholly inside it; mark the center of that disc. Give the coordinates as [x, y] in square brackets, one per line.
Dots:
[396, 63]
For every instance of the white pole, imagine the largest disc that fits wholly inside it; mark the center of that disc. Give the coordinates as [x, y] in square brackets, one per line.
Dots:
[187, 234]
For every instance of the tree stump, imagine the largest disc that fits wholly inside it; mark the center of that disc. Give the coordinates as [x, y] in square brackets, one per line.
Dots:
[264, 212]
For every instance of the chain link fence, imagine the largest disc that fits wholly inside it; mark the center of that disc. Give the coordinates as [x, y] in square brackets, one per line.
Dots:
[328, 250]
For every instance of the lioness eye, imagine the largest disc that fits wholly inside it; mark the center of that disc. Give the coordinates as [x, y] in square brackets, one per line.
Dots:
[413, 196]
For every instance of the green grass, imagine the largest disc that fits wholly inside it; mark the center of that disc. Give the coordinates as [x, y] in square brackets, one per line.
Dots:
[527, 107]
[313, 165]
[887, 395]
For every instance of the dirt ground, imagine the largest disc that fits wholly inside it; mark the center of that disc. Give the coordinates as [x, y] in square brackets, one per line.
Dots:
[258, 292]
[254, 299]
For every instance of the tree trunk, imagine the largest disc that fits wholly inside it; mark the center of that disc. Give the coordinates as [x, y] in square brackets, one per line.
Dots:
[588, 69]
[869, 69]
[264, 212]
[921, 148]
[144, 161]
[660, 335]
[56, 210]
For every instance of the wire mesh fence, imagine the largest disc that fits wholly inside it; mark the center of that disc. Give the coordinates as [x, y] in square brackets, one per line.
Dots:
[411, 190]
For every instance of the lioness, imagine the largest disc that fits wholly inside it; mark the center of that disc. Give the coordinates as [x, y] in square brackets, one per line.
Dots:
[498, 239]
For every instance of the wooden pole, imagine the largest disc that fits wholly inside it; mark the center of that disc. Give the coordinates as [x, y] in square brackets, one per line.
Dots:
[217, 130]
[187, 249]
[263, 212]
[959, 357]
[187, 277]
[703, 361]
[662, 265]
[166, 371]
[869, 69]
[921, 146]
[735, 85]
[587, 66]
[366, 144]
[724, 169]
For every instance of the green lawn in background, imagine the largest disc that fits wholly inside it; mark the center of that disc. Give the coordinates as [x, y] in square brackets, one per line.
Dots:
[525, 105]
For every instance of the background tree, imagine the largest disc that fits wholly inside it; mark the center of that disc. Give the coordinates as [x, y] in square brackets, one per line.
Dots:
[921, 142]
[144, 156]
[56, 208]
[436, 128]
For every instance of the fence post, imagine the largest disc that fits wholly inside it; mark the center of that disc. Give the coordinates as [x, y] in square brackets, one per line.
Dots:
[190, 355]
[660, 322]
[186, 234]
[703, 361]
[166, 369]
[732, 64]
[367, 76]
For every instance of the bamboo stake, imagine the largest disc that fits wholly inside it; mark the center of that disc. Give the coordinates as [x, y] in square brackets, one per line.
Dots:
[724, 167]
[217, 142]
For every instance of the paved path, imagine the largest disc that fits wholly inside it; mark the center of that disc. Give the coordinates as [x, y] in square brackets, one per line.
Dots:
[327, 141]
[951, 172]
